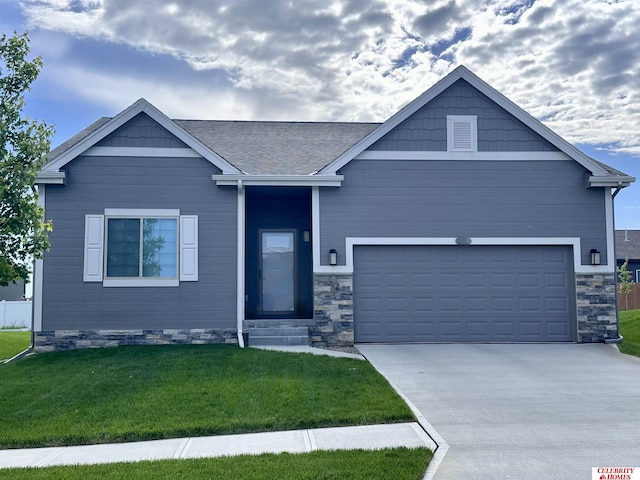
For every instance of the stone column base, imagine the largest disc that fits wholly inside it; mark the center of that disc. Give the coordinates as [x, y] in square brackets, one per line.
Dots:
[332, 310]
[596, 307]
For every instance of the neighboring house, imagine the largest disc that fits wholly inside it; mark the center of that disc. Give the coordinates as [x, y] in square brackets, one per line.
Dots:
[628, 248]
[460, 219]
[13, 291]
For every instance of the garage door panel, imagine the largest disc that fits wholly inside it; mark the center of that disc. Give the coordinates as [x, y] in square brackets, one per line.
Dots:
[503, 305]
[477, 280]
[557, 305]
[463, 294]
[528, 280]
[555, 280]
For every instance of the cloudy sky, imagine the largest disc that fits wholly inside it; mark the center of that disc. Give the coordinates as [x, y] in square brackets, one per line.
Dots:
[574, 64]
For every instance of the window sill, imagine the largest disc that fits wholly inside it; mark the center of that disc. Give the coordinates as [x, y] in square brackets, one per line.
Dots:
[141, 282]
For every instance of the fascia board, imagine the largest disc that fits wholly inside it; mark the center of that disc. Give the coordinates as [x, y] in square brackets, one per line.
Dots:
[279, 180]
[123, 117]
[394, 121]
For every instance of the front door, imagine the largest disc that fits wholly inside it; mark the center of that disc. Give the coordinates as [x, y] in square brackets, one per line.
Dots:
[277, 271]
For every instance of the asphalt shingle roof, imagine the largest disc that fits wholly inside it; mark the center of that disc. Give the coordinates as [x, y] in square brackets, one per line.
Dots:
[628, 244]
[277, 148]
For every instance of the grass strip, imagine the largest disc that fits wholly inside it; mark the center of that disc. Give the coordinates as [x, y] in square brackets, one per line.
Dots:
[630, 330]
[142, 393]
[397, 463]
[12, 343]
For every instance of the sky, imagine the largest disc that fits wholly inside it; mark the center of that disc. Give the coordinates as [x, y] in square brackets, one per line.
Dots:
[573, 64]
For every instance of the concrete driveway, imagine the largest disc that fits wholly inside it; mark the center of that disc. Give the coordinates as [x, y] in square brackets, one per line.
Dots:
[521, 411]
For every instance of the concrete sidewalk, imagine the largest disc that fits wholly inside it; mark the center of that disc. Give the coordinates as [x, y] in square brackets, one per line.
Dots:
[368, 437]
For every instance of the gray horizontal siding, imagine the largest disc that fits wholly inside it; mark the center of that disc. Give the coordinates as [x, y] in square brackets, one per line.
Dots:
[462, 198]
[498, 131]
[141, 131]
[13, 291]
[96, 183]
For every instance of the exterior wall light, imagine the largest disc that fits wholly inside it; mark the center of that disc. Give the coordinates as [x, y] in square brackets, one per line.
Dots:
[595, 257]
[333, 257]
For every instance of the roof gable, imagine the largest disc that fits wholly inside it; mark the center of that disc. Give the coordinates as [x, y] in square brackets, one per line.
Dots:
[104, 130]
[461, 73]
[426, 129]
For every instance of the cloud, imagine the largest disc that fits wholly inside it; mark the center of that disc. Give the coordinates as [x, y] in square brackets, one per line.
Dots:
[573, 63]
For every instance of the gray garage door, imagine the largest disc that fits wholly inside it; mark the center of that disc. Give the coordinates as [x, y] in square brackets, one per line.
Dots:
[463, 294]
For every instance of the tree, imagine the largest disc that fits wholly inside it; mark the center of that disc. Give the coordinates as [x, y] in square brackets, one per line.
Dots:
[624, 282]
[24, 144]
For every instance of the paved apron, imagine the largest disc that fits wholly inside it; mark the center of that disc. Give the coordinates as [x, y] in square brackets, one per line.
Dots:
[528, 411]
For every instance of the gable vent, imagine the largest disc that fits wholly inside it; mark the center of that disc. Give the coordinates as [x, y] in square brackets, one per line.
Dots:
[462, 133]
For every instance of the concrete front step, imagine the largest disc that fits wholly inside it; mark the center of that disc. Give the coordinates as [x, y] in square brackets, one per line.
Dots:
[278, 331]
[280, 322]
[278, 340]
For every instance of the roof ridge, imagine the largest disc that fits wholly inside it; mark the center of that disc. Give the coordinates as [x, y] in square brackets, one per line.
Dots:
[288, 122]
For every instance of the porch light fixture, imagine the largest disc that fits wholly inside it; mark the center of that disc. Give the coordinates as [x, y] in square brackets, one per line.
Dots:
[306, 235]
[595, 257]
[333, 257]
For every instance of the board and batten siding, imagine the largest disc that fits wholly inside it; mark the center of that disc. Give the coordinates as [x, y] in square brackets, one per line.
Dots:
[498, 131]
[96, 183]
[459, 198]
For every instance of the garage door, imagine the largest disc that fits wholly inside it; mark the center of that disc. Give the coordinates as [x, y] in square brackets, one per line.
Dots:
[463, 294]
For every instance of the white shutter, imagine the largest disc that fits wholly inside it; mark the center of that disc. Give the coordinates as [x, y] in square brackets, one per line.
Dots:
[188, 248]
[93, 247]
[462, 133]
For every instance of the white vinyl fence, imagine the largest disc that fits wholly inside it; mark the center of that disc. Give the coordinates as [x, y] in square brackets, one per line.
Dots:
[15, 314]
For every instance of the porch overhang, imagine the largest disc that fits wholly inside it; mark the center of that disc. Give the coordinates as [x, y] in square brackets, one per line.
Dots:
[279, 180]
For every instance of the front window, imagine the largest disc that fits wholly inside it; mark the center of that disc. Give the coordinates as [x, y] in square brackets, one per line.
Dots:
[142, 247]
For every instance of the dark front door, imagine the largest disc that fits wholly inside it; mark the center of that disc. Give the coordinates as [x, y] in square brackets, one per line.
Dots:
[277, 271]
[279, 267]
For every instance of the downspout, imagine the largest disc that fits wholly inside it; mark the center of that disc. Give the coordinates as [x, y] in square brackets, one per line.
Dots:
[240, 266]
[616, 192]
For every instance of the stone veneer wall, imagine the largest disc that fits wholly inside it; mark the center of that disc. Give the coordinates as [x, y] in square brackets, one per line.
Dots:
[332, 310]
[71, 339]
[596, 307]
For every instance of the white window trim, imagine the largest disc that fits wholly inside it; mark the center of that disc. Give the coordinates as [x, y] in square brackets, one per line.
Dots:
[95, 248]
[472, 120]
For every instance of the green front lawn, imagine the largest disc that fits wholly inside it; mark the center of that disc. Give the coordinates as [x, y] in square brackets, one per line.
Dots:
[398, 464]
[630, 330]
[142, 393]
[12, 343]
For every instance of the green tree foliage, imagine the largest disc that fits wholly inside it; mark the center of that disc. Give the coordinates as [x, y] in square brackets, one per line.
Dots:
[24, 144]
[624, 281]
